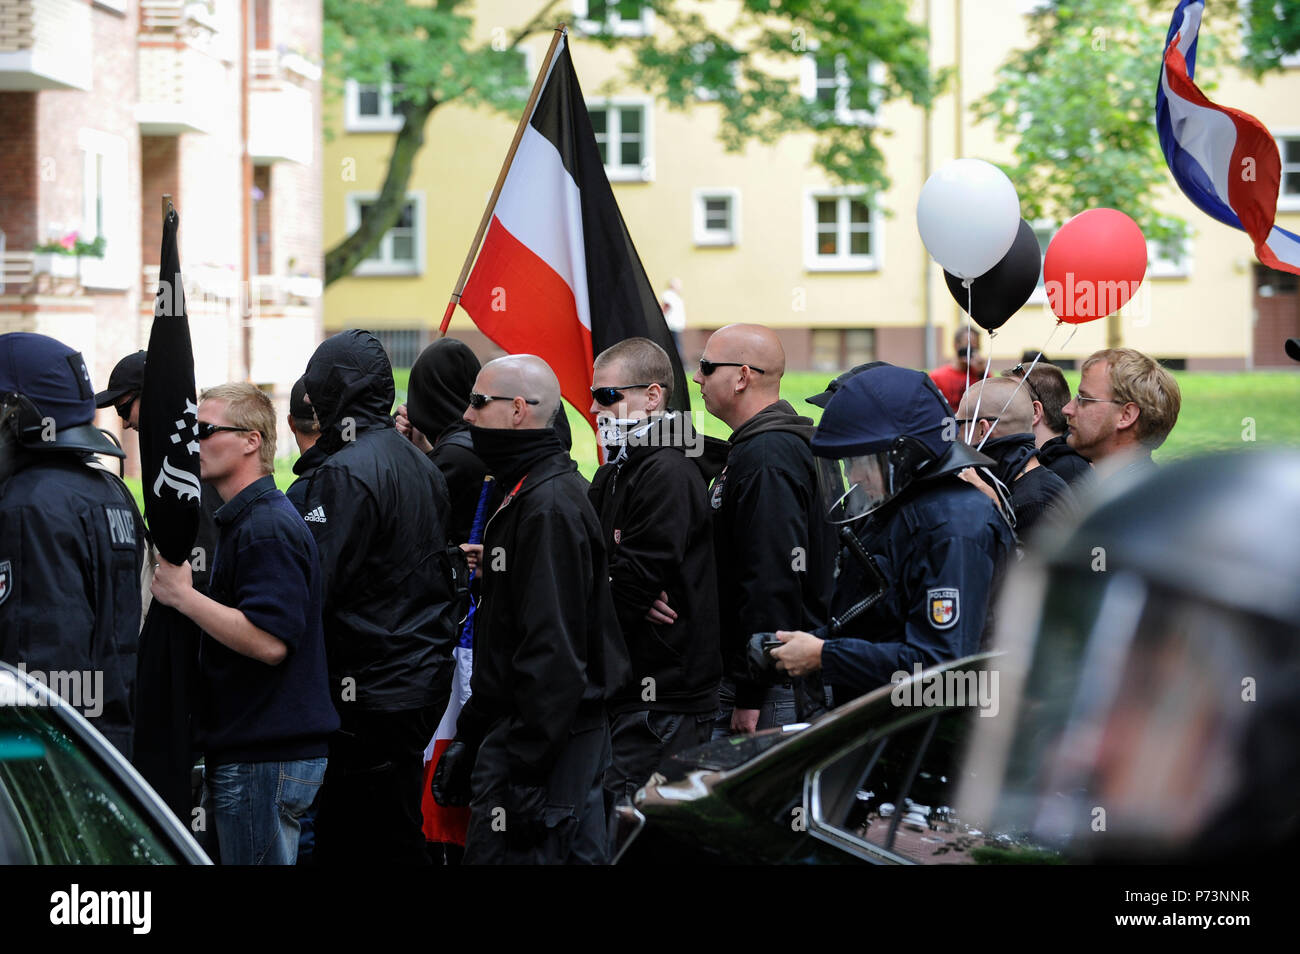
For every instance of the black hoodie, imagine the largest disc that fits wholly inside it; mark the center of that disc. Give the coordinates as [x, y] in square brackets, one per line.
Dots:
[1033, 493]
[654, 512]
[774, 548]
[378, 509]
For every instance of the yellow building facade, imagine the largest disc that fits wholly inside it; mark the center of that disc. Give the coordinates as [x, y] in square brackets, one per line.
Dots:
[763, 235]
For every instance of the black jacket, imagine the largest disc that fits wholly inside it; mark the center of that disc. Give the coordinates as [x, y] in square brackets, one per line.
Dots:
[1063, 460]
[71, 547]
[378, 510]
[941, 548]
[464, 470]
[774, 548]
[1034, 493]
[304, 467]
[654, 511]
[548, 653]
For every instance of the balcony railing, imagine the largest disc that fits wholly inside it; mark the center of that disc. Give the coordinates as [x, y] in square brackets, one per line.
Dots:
[45, 44]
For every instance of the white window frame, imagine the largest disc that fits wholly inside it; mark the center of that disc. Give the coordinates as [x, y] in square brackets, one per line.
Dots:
[843, 84]
[1160, 267]
[119, 231]
[700, 232]
[842, 261]
[1286, 203]
[619, 172]
[616, 26]
[385, 266]
[387, 121]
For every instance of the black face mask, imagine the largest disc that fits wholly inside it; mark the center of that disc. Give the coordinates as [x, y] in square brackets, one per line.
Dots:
[509, 453]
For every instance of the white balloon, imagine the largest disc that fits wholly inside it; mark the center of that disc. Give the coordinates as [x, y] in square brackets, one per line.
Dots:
[968, 216]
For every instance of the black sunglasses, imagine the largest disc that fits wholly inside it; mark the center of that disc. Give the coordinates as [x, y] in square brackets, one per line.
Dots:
[707, 367]
[206, 430]
[124, 409]
[607, 396]
[479, 401]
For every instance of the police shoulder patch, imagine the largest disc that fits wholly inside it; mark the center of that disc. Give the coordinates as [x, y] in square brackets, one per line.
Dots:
[6, 580]
[944, 607]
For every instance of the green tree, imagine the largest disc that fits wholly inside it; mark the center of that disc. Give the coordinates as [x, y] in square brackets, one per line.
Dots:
[867, 54]
[1272, 31]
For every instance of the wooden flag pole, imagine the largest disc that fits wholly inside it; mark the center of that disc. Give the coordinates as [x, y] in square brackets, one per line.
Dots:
[166, 205]
[560, 32]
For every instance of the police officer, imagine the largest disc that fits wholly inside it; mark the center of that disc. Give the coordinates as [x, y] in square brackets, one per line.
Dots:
[71, 541]
[925, 543]
[1163, 689]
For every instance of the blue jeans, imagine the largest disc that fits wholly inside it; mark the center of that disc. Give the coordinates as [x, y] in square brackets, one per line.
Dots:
[778, 709]
[256, 807]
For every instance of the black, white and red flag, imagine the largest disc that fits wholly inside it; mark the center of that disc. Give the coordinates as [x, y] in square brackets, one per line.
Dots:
[557, 274]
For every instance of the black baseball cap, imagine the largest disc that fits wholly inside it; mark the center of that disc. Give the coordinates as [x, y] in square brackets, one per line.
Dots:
[298, 406]
[821, 400]
[1293, 348]
[127, 378]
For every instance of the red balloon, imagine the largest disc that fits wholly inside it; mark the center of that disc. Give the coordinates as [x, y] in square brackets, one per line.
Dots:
[1094, 265]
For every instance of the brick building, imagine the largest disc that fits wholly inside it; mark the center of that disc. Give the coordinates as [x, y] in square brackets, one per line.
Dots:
[107, 105]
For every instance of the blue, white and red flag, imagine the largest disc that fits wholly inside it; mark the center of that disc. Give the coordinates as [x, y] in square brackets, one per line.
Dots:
[1224, 160]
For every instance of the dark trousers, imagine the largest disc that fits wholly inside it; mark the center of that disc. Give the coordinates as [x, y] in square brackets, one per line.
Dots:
[641, 741]
[571, 826]
[369, 806]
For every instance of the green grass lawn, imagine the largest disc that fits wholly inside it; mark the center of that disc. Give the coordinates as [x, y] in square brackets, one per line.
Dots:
[1219, 412]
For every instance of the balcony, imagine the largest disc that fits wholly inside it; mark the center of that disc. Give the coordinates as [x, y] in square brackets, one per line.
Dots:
[281, 111]
[179, 67]
[45, 44]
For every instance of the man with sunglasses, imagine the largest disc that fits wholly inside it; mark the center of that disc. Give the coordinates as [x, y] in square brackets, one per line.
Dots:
[266, 716]
[532, 742]
[653, 502]
[774, 551]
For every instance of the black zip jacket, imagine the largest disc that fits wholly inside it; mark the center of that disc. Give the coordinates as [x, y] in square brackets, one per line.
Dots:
[1063, 460]
[654, 511]
[548, 653]
[304, 467]
[464, 471]
[378, 510]
[774, 548]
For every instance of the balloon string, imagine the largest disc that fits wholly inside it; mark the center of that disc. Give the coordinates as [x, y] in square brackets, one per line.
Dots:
[1021, 383]
[969, 284]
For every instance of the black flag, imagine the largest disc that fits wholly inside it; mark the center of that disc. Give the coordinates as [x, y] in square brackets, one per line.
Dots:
[169, 454]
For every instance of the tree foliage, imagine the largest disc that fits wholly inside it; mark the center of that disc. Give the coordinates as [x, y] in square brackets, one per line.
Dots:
[1272, 31]
[1080, 103]
[749, 67]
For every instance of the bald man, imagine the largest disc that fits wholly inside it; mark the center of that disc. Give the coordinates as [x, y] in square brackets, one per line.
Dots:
[774, 548]
[1006, 418]
[532, 743]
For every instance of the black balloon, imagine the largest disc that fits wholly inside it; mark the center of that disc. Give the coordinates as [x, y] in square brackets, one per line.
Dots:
[1001, 291]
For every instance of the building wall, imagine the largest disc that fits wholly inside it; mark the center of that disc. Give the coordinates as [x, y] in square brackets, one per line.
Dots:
[1205, 318]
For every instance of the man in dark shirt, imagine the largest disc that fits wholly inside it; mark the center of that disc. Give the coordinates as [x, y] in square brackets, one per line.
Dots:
[653, 504]
[1001, 429]
[774, 550]
[1049, 393]
[306, 432]
[266, 714]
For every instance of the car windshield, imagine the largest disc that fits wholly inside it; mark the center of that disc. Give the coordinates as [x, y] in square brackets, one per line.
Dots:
[58, 806]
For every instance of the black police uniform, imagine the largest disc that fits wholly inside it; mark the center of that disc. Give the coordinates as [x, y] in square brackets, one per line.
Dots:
[71, 539]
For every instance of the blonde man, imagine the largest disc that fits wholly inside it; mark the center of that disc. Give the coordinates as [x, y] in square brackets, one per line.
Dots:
[267, 716]
[1125, 408]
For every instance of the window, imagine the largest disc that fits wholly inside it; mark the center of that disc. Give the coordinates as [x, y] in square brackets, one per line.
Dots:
[835, 349]
[1169, 261]
[623, 133]
[616, 17]
[104, 212]
[402, 344]
[851, 100]
[369, 107]
[401, 250]
[841, 231]
[1288, 198]
[716, 216]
